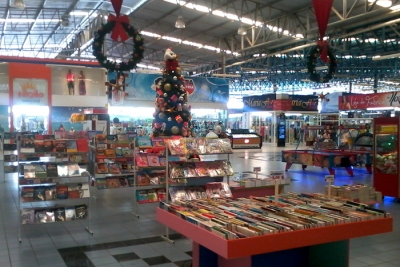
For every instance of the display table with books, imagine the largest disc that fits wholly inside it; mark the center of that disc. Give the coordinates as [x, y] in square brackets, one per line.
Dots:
[301, 230]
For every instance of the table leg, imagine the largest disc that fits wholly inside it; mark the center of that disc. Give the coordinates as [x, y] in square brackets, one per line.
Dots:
[303, 167]
[288, 165]
[369, 168]
[331, 171]
[350, 171]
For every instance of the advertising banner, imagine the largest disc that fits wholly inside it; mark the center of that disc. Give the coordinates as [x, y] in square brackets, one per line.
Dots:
[364, 101]
[142, 86]
[265, 103]
[30, 92]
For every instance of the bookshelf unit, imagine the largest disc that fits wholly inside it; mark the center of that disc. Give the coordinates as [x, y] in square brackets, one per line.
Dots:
[177, 153]
[9, 153]
[112, 169]
[51, 187]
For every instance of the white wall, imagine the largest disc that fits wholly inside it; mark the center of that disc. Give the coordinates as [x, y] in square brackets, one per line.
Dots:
[78, 101]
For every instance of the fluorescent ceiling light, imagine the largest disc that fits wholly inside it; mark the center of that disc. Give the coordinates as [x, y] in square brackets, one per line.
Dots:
[383, 108]
[19, 4]
[227, 75]
[186, 42]
[232, 16]
[79, 13]
[28, 20]
[180, 23]
[242, 31]
[378, 57]
[382, 3]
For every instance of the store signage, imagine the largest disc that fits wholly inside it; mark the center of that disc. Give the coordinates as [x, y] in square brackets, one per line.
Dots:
[304, 102]
[258, 103]
[364, 101]
[329, 178]
[256, 169]
[266, 103]
[282, 104]
[30, 92]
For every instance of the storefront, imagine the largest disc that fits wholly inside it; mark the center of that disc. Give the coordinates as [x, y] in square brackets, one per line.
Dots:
[263, 114]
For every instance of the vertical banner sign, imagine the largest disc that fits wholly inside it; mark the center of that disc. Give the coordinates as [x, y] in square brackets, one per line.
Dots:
[322, 9]
[32, 92]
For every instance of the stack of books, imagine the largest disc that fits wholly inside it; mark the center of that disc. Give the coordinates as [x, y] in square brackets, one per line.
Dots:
[193, 146]
[249, 217]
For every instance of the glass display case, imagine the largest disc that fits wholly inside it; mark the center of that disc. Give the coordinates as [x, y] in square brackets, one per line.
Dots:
[386, 162]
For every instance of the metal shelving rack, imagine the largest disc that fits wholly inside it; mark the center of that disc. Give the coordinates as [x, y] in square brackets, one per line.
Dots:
[32, 204]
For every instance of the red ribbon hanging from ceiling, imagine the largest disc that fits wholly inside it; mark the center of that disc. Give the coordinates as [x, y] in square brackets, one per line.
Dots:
[322, 9]
[118, 32]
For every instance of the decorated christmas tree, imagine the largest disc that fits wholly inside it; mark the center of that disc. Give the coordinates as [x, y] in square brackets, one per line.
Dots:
[172, 114]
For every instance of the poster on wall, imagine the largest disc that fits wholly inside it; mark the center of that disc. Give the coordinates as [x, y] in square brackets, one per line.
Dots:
[142, 86]
[31, 92]
[364, 101]
[77, 81]
[331, 103]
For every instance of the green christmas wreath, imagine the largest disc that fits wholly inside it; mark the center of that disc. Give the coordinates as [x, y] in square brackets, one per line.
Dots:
[110, 65]
[312, 61]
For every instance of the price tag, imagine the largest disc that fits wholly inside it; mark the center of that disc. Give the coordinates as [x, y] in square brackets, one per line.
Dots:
[276, 177]
[329, 178]
[256, 169]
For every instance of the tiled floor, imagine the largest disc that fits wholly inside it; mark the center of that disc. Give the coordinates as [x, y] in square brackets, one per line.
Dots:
[122, 239]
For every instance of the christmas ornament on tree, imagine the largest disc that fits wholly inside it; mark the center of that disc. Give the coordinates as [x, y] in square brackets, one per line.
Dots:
[172, 111]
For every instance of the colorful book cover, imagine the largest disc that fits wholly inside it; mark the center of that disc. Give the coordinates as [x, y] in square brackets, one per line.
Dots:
[141, 160]
[71, 146]
[74, 190]
[39, 193]
[39, 146]
[123, 138]
[201, 169]
[73, 169]
[127, 152]
[114, 168]
[62, 191]
[177, 146]
[152, 195]
[27, 193]
[52, 171]
[59, 214]
[109, 153]
[161, 194]
[118, 152]
[82, 145]
[157, 141]
[142, 178]
[60, 146]
[29, 171]
[40, 216]
[113, 183]
[112, 138]
[81, 211]
[27, 216]
[102, 168]
[70, 213]
[50, 192]
[142, 197]
[49, 146]
[101, 183]
[49, 216]
[152, 160]
[143, 141]
[62, 170]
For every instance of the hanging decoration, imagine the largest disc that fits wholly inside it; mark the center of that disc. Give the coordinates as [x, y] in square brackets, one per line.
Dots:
[323, 97]
[118, 26]
[322, 10]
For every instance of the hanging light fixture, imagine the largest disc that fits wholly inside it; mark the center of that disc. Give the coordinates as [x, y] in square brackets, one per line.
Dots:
[242, 30]
[180, 23]
[19, 4]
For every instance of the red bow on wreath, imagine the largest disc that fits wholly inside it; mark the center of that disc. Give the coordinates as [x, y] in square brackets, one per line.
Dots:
[323, 48]
[118, 30]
